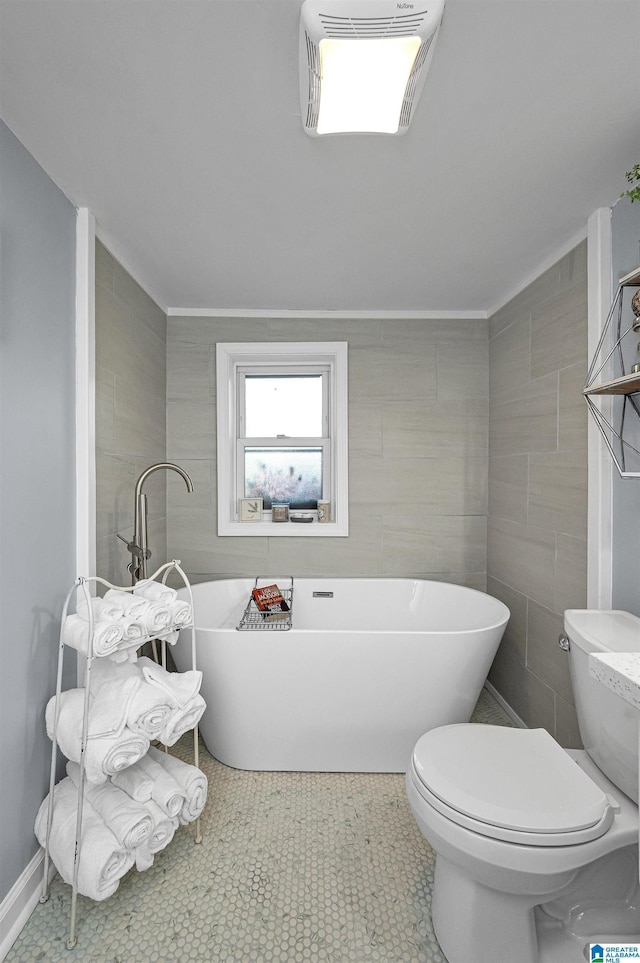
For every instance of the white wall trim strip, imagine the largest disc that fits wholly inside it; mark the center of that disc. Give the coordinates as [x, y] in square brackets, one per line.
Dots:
[600, 466]
[85, 394]
[20, 902]
[323, 315]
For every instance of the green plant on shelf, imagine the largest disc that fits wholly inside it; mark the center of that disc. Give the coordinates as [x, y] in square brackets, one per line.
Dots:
[633, 177]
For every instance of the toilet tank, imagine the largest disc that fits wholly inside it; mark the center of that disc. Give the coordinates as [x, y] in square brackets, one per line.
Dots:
[608, 724]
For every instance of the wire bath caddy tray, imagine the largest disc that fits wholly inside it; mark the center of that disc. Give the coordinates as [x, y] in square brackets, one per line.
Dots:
[253, 620]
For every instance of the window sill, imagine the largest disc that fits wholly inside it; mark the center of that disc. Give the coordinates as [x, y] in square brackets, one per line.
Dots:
[270, 529]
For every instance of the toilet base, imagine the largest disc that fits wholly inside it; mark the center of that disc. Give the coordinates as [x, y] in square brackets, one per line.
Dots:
[473, 922]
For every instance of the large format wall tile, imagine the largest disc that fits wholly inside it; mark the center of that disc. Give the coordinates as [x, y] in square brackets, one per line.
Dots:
[130, 412]
[572, 409]
[510, 360]
[191, 426]
[538, 486]
[557, 332]
[508, 483]
[531, 699]
[522, 557]
[571, 573]
[431, 428]
[558, 492]
[514, 641]
[528, 422]
[463, 371]
[440, 543]
[418, 440]
[190, 371]
[545, 658]
[376, 372]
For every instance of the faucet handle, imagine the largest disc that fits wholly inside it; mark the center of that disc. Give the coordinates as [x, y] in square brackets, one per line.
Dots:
[134, 549]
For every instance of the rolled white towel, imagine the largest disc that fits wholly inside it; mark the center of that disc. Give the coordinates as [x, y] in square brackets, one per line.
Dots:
[129, 821]
[181, 613]
[104, 610]
[110, 704]
[149, 709]
[144, 857]
[182, 692]
[157, 617]
[182, 720]
[133, 629]
[166, 792]
[106, 635]
[104, 755]
[193, 782]
[161, 835]
[101, 724]
[122, 752]
[180, 687]
[132, 605]
[135, 782]
[103, 861]
[164, 827]
[148, 588]
[149, 713]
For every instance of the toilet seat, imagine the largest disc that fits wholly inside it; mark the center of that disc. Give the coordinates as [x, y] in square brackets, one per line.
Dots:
[516, 785]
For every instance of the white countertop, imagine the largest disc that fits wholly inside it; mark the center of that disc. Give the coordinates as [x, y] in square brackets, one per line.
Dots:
[619, 671]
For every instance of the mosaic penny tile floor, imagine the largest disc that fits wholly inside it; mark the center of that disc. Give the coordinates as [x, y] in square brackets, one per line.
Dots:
[293, 866]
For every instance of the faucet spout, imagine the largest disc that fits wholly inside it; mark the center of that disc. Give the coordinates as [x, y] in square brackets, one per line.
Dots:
[139, 547]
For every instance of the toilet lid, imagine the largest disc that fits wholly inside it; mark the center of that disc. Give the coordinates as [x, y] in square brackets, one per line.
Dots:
[512, 782]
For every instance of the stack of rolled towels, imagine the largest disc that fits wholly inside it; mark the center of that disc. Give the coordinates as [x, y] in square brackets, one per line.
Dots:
[134, 796]
[126, 820]
[121, 619]
[130, 705]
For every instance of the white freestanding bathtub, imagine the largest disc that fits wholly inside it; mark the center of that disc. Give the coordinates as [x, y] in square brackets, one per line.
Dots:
[367, 666]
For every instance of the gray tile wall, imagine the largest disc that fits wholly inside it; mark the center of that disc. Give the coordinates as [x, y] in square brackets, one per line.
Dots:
[418, 437]
[130, 414]
[537, 527]
[430, 458]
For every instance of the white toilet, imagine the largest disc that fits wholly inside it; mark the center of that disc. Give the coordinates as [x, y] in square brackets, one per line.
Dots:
[537, 846]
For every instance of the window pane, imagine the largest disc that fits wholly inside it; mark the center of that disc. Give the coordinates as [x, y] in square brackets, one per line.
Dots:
[283, 474]
[288, 405]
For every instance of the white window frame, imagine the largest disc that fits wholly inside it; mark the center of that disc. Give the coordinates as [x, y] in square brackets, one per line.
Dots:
[232, 359]
[323, 442]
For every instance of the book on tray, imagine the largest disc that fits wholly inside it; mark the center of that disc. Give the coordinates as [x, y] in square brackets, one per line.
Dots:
[270, 602]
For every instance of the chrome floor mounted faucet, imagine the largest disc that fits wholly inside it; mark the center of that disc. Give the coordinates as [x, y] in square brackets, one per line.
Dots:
[139, 547]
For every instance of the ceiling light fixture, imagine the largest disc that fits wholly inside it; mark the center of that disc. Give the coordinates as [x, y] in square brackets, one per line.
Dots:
[363, 63]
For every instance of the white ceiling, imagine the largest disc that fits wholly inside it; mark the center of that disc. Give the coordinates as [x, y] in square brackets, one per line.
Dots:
[177, 122]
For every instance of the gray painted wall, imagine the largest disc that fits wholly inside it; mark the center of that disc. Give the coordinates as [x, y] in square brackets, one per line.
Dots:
[625, 229]
[418, 420]
[537, 535]
[130, 415]
[37, 480]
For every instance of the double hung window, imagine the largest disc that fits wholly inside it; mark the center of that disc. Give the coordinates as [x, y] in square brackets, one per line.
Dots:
[282, 434]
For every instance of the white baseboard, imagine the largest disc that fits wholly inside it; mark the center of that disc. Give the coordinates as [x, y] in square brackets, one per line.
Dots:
[505, 705]
[20, 902]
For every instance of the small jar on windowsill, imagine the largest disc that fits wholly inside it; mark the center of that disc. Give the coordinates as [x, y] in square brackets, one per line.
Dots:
[280, 511]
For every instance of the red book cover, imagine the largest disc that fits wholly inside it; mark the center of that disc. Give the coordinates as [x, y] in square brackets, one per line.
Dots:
[270, 602]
